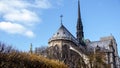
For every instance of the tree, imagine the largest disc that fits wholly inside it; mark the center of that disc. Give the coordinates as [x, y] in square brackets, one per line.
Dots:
[6, 48]
[97, 59]
[43, 50]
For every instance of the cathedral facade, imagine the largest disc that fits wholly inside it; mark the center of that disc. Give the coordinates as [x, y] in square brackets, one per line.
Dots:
[78, 52]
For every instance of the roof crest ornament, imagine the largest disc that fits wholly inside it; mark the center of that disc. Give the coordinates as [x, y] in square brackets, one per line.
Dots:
[61, 16]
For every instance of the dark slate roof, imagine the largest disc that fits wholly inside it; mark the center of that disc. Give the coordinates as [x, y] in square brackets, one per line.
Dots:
[104, 45]
[63, 33]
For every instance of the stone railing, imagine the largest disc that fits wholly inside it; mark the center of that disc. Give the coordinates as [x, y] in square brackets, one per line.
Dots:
[65, 38]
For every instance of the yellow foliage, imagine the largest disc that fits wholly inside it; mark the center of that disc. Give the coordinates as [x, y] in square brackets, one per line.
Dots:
[25, 60]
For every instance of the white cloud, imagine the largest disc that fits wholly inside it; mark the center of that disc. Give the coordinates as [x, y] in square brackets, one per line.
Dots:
[14, 28]
[18, 15]
[56, 3]
[22, 14]
[17, 11]
[7, 6]
[42, 4]
[29, 33]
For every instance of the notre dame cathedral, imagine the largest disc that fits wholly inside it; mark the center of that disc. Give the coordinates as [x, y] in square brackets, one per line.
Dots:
[78, 52]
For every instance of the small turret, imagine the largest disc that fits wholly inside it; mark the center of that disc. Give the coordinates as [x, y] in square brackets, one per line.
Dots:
[31, 51]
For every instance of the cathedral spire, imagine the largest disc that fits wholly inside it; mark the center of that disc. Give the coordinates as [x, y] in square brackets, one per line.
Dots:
[79, 15]
[80, 33]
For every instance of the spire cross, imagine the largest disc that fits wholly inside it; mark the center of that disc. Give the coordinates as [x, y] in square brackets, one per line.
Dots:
[61, 16]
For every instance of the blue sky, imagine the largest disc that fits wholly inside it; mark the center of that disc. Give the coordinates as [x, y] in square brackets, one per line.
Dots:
[34, 21]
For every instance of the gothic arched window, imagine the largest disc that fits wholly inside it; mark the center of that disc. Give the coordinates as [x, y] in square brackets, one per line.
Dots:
[65, 52]
[56, 47]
